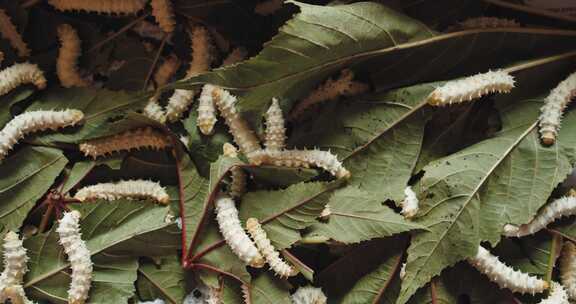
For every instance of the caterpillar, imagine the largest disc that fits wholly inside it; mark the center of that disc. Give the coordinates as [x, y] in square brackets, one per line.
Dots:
[268, 7]
[237, 174]
[332, 89]
[279, 266]
[275, 130]
[202, 51]
[564, 206]
[472, 87]
[402, 273]
[21, 73]
[238, 54]
[34, 121]
[206, 110]
[554, 105]
[133, 139]
[204, 295]
[164, 13]
[568, 269]
[326, 212]
[309, 295]
[178, 103]
[558, 295]
[9, 32]
[166, 70]
[234, 234]
[504, 275]
[410, 203]
[100, 6]
[78, 255]
[15, 267]
[243, 136]
[66, 64]
[154, 111]
[128, 189]
[301, 158]
[155, 301]
[487, 22]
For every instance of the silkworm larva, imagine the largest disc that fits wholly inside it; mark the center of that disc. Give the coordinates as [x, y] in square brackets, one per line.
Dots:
[129, 140]
[410, 203]
[100, 6]
[275, 130]
[568, 268]
[10, 33]
[68, 54]
[309, 295]
[553, 108]
[164, 14]
[21, 73]
[127, 189]
[206, 110]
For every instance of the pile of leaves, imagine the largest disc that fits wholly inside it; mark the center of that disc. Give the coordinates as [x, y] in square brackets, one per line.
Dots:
[474, 166]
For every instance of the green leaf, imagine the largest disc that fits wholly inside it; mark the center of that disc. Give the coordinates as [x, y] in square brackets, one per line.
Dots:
[77, 173]
[356, 216]
[26, 175]
[164, 280]
[268, 289]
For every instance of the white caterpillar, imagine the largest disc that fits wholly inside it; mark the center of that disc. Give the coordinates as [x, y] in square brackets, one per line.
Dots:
[471, 87]
[275, 130]
[166, 70]
[238, 54]
[164, 13]
[34, 121]
[326, 212]
[564, 206]
[10, 33]
[330, 90]
[21, 73]
[301, 158]
[15, 267]
[279, 266]
[410, 203]
[504, 275]
[234, 234]
[156, 301]
[153, 110]
[178, 103]
[206, 110]
[78, 255]
[268, 7]
[309, 295]
[554, 105]
[202, 51]
[558, 295]
[66, 65]
[128, 189]
[133, 139]
[487, 22]
[243, 136]
[568, 269]
[100, 6]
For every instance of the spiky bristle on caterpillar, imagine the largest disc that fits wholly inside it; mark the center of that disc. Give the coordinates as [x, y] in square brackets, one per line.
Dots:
[300, 158]
[564, 206]
[275, 131]
[10, 33]
[557, 295]
[504, 275]
[202, 51]
[21, 73]
[124, 189]
[206, 110]
[236, 55]
[472, 87]
[568, 268]
[234, 234]
[68, 54]
[271, 255]
[34, 121]
[129, 140]
[268, 7]
[410, 203]
[15, 267]
[332, 89]
[153, 110]
[309, 295]
[78, 255]
[164, 13]
[166, 70]
[100, 6]
[553, 108]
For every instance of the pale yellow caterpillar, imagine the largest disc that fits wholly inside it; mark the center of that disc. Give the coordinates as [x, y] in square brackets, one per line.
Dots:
[268, 7]
[166, 70]
[471, 87]
[100, 6]
[10, 33]
[234, 234]
[275, 130]
[243, 136]
[504, 275]
[558, 295]
[153, 110]
[564, 206]
[410, 203]
[68, 54]
[202, 51]
[129, 140]
[237, 174]
[78, 255]
[272, 257]
[238, 54]
[326, 212]
[21, 73]
[124, 189]
[34, 121]
[206, 110]
[554, 105]
[309, 295]
[164, 13]
[15, 267]
[178, 103]
[300, 158]
[332, 89]
[568, 268]
[486, 22]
